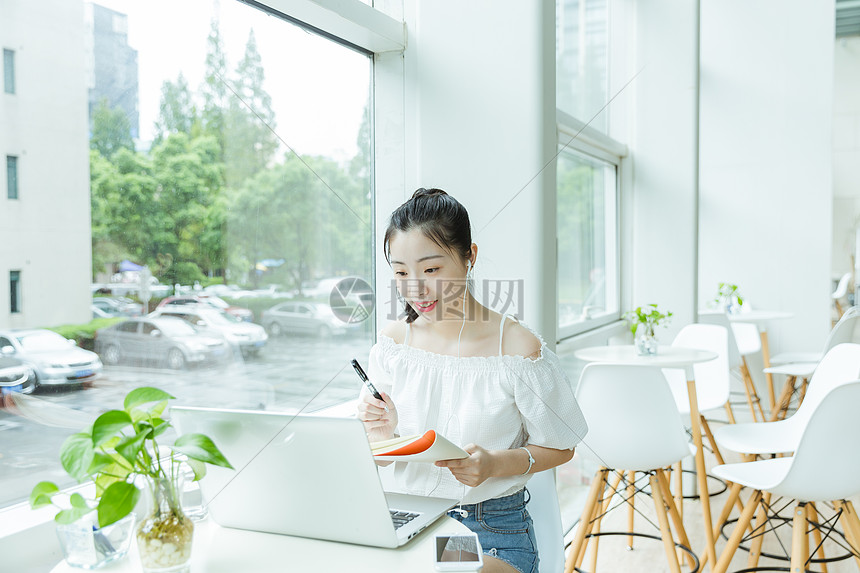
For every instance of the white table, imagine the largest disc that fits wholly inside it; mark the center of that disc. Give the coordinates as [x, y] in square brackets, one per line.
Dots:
[760, 318]
[223, 550]
[670, 357]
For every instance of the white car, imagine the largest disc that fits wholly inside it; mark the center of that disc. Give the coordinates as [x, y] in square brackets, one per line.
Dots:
[248, 337]
[55, 360]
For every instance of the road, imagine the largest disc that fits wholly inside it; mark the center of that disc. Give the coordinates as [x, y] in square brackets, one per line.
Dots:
[290, 374]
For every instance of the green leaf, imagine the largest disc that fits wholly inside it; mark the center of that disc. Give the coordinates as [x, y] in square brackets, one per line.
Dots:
[129, 448]
[42, 494]
[68, 516]
[109, 425]
[160, 426]
[202, 448]
[116, 502]
[76, 455]
[144, 395]
[78, 501]
[100, 462]
[198, 467]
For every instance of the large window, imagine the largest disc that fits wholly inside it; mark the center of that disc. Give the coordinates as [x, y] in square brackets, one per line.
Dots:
[229, 171]
[8, 71]
[14, 291]
[11, 177]
[588, 293]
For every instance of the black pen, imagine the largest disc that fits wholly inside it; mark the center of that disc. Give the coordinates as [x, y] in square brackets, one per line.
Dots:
[360, 371]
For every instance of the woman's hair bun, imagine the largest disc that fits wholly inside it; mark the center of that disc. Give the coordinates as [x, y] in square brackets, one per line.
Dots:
[422, 192]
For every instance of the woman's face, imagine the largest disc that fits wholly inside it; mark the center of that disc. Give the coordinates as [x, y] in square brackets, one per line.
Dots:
[430, 279]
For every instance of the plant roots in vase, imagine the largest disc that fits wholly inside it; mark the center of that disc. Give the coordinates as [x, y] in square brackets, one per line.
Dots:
[164, 537]
[646, 344]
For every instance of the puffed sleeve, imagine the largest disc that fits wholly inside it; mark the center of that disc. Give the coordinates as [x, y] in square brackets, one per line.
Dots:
[377, 371]
[545, 399]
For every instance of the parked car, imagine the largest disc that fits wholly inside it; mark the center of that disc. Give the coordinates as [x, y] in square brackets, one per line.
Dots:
[15, 376]
[165, 339]
[247, 337]
[117, 306]
[54, 359]
[303, 318]
[208, 300]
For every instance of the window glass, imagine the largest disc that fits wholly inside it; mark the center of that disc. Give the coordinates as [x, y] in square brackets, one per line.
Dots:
[582, 60]
[11, 177]
[588, 291]
[15, 291]
[230, 154]
[8, 71]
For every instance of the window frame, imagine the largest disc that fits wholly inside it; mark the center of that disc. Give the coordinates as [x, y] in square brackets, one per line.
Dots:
[9, 71]
[578, 137]
[15, 306]
[12, 177]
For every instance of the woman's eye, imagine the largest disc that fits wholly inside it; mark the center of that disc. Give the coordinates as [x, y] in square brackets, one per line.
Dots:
[433, 270]
[400, 273]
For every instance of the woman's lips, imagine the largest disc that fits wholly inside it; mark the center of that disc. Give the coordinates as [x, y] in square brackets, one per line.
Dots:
[423, 307]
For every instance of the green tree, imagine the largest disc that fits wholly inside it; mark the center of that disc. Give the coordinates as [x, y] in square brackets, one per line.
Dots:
[111, 130]
[177, 112]
[250, 143]
[214, 90]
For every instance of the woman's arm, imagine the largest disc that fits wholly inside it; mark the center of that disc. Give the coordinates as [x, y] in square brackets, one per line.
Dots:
[482, 464]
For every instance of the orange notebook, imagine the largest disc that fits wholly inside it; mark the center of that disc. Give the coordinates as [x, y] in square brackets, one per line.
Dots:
[426, 447]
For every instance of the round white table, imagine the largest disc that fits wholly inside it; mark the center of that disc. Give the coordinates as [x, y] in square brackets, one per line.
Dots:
[760, 318]
[670, 357]
[223, 550]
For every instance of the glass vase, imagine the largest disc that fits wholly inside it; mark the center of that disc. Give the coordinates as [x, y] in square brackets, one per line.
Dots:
[164, 537]
[645, 342]
[88, 546]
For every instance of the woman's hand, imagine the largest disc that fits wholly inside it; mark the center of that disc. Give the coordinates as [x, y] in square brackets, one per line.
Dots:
[474, 470]
[379, 417]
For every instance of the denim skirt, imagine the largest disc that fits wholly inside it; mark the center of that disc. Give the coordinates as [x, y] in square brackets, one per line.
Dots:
[504, 528]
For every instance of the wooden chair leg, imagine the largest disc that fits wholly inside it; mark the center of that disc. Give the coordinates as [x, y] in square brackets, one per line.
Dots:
[730, 413]
[817, 548]
[752, 394]
[804, 386]
[851, 525]
[676, 517]
[598, 521]
[665, 530]
[799, 547]
[577, 545]
[737, 534]
[734, 495]
[679, 491]
[631, 490]
[713, 442]
[784, 399]
[759, 530]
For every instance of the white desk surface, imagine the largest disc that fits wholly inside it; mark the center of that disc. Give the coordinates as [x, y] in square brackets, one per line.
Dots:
[666, 357]
[759, 316]
[223, 550]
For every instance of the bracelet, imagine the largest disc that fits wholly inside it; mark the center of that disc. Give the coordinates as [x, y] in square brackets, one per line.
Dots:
[531, 459]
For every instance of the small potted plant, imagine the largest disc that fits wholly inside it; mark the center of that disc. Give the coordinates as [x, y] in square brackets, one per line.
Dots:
[643, 321]
[118, 452]
[728, 298]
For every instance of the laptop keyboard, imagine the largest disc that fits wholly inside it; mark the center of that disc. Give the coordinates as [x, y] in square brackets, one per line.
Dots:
[401, 518]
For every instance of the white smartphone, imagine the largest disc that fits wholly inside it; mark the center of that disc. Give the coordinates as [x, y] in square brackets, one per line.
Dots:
[458, 553]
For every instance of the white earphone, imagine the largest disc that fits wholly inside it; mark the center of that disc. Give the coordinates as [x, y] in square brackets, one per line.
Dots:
[465, 290]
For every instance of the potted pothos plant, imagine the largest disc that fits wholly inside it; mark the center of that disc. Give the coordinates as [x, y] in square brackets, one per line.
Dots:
[120, 452]
[643, 322]
[728, 298]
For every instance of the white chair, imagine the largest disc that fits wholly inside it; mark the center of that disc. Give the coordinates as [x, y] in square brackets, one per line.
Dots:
[840, 293]
[546, 518]
[846, 330]
[824, 468]
[743, 340]
[712, 377]
[840, 366]
[634, 426]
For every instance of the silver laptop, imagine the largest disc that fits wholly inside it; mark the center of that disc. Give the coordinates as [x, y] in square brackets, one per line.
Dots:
[303, 475]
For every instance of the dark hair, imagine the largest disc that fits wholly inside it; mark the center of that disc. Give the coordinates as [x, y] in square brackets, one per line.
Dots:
[440, 217]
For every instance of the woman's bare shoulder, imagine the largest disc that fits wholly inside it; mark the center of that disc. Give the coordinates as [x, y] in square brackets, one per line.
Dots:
[395, 330]
[520, 341]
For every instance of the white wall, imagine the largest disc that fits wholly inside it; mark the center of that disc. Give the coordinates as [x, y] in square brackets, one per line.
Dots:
[846, 151]
[765, 218]
[45, 233]
[662, 141]
[479, 122]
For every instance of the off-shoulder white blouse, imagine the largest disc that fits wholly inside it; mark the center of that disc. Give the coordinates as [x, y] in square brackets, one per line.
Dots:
[497, 402]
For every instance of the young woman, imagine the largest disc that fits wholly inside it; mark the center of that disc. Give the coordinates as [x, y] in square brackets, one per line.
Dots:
[480, 379]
